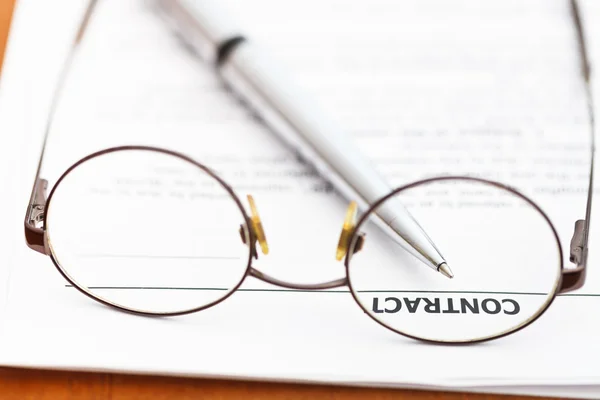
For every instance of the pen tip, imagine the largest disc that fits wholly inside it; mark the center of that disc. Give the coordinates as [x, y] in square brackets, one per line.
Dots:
[445, 270]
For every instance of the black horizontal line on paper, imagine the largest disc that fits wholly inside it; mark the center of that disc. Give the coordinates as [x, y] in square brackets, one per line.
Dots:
[159, 257]
[332, 291]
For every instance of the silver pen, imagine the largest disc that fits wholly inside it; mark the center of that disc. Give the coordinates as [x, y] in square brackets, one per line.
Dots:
[213, 35]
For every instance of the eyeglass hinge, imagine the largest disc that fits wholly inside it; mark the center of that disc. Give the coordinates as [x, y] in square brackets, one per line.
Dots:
[35, 218]
[577, 242]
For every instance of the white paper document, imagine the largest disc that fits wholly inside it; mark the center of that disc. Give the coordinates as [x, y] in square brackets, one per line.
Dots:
[423, 88]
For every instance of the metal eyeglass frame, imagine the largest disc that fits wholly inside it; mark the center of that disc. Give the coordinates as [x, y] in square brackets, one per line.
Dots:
[351, 238]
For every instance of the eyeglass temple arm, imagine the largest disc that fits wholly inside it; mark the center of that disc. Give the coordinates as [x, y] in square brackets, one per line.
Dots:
[34, 217]
[575, 277]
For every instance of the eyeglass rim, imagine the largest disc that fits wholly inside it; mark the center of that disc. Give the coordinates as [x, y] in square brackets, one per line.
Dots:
[364, 217]
[180, 156]
[250, 271]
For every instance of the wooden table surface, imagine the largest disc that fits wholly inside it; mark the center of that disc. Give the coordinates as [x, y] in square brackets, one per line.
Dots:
[21, 384]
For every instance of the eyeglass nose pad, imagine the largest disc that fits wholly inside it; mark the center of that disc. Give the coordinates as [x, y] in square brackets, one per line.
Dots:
[257, 229]
[347, 232]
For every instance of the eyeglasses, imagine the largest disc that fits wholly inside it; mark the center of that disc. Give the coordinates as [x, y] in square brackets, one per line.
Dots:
[165, 235]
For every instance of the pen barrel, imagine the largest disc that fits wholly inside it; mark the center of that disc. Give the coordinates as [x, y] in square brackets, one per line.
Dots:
[302, 125]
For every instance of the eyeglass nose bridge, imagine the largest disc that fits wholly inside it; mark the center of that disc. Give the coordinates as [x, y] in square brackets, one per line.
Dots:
[259, 236]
